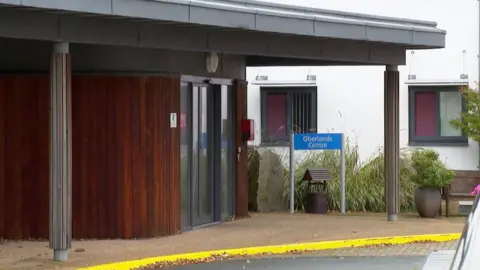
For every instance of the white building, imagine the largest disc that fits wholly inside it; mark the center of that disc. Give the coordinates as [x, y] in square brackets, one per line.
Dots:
[350, 99]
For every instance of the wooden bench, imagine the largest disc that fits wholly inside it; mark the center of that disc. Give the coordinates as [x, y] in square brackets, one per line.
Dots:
[460, 189]
[448, 196]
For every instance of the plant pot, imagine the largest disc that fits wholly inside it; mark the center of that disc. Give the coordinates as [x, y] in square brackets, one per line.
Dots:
[428, 201]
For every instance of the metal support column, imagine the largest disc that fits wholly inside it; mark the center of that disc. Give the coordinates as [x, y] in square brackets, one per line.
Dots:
[391, 142]
[60, 153]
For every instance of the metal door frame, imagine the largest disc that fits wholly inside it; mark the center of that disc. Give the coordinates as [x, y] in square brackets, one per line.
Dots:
[214, 147]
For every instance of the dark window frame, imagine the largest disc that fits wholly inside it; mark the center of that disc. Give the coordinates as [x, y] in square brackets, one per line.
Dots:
[289, 90]
[437, 140]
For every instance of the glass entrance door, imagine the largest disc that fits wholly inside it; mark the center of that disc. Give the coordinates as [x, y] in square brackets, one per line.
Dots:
[207, 153]
[203, 185]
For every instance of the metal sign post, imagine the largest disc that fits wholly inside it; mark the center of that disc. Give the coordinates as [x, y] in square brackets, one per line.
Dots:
[342, 175]
[317, 141]
[292, 174]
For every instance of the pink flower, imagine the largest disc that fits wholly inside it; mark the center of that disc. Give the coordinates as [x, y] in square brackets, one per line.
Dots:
[476, 190]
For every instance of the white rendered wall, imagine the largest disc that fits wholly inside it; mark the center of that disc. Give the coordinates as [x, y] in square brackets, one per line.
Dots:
[355, 106]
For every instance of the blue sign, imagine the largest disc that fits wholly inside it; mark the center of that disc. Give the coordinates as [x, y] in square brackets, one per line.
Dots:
[317, 141]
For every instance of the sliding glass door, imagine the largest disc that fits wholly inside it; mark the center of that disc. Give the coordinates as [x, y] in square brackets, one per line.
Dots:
[202, 155]
[207, 154]
[227, 153]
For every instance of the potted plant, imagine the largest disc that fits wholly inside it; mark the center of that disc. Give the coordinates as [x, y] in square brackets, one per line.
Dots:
[430, 174]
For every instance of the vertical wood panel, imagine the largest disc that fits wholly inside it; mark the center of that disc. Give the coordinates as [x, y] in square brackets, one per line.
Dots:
[28, 149]
[100, 152]
[126, 158]
[150, 154]
[166, 131]
[157, 154]
[79, 164]
[241, 191]
[140, 214]
[42, 203]
[174, 150]
[2, 156]
[140, 160]
[111, 159]
[161, 106]
[24, 165]
[93, 160]
[15, 94]
[142, 174]
[119, 101]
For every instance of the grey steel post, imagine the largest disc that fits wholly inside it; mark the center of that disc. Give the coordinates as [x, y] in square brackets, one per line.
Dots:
[292, 176]
[342, 176]
[60, 153]
[392, 142]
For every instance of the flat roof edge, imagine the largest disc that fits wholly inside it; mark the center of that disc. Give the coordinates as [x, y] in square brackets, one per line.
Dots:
[259, 16]
[254, 3]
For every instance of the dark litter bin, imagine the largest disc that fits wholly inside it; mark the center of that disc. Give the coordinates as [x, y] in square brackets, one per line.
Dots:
[316, 199]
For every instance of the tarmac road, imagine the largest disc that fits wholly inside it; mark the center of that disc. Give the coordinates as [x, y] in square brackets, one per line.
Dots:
[310, 263]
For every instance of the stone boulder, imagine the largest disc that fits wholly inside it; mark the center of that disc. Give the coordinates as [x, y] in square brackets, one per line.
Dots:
[271, 182]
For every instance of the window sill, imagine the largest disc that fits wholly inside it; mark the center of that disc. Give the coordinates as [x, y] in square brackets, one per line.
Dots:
[440, 144]
[274, 144]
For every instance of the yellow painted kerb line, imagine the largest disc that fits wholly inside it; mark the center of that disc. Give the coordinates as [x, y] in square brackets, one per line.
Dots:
[279, 249]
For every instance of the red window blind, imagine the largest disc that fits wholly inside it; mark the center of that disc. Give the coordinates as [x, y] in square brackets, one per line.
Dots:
[425, 114]
[276, 115]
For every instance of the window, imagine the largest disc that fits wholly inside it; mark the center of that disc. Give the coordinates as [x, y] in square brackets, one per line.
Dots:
[287, 108]
[431, 108]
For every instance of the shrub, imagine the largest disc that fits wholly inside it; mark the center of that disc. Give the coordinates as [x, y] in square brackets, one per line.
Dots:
[469, 121]
[364, 187]
[428, 170]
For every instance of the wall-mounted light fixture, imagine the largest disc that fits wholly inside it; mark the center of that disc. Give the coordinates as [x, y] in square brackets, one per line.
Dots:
[464, 76]
[412, 76]
[261, 78]
[311, 77]
[211, 61]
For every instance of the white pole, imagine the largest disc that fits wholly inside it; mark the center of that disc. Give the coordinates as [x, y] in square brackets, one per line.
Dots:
[342, 175]
[292, 176]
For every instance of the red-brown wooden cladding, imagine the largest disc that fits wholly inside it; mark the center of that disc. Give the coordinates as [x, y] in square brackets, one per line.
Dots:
[125, 156]
[241, 196]
[24, 161]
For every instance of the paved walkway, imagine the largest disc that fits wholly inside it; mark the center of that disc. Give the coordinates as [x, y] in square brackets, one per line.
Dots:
[261, 229]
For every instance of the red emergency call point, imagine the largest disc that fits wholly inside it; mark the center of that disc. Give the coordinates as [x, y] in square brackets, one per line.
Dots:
[248, 130]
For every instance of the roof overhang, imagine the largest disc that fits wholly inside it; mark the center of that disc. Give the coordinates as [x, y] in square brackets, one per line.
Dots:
[252, 28]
